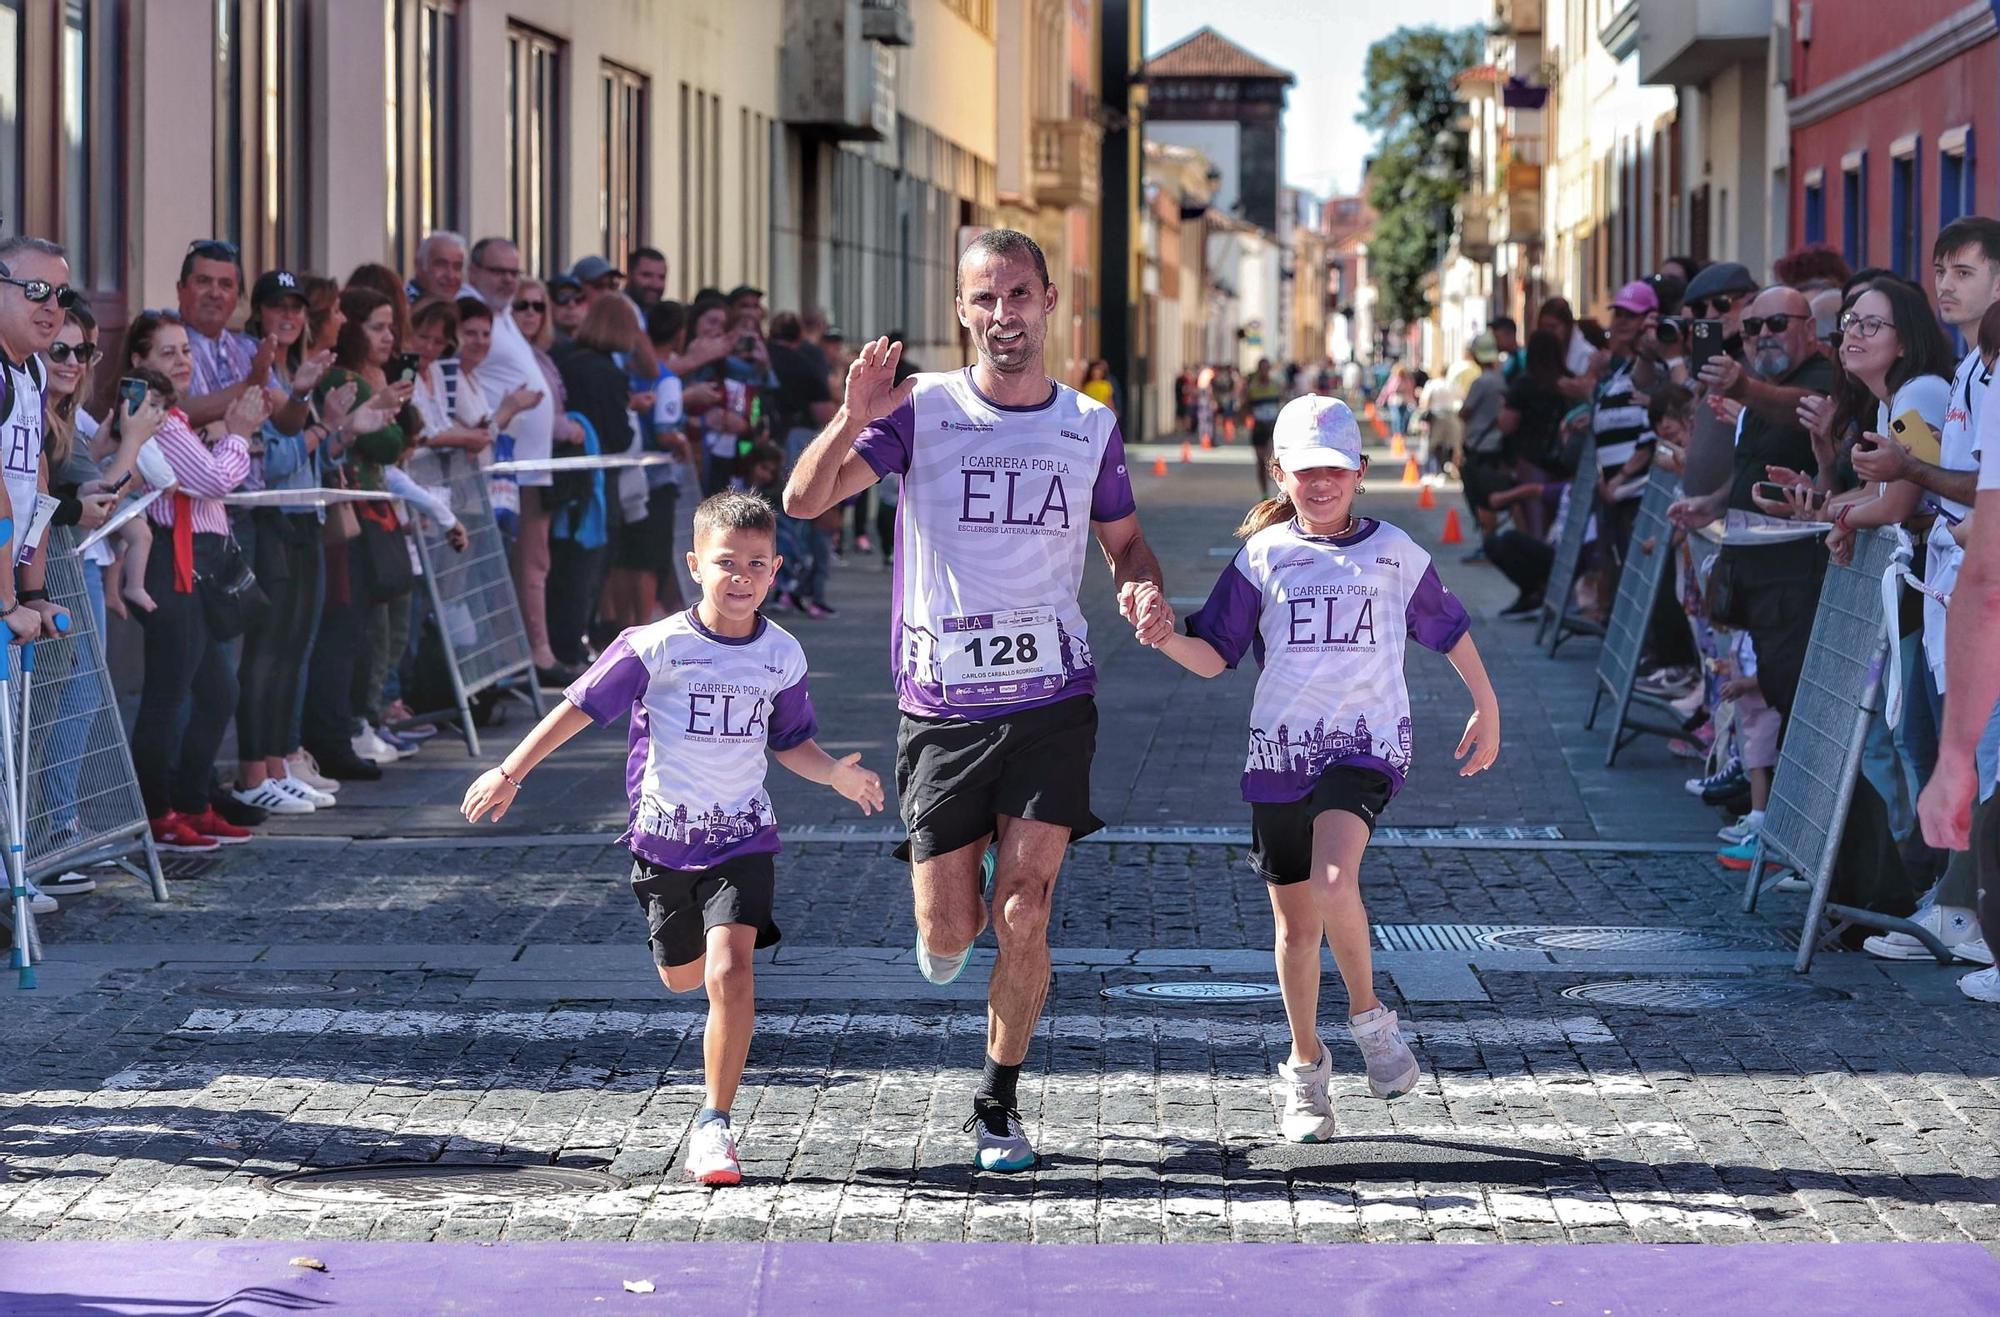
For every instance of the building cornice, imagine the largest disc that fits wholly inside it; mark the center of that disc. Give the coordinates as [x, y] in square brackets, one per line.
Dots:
[1969, 27]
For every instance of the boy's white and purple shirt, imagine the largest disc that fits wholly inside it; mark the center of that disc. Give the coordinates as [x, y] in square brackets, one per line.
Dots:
[991, 531]
[703, 708]
[1326, 617]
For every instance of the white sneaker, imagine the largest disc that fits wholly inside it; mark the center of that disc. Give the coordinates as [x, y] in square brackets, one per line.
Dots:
[1005, 1149]
[311, 795]
[269, 796]
[1392, 1066]
[300, 766]
[68, 884]
[1308, 1116]
[40, 902]
[1974, 951]
[711, 1155]
[940, 969]
[1981, 985]
[373, 748]
[397, 748]
[1744, 829]
[1952, 924]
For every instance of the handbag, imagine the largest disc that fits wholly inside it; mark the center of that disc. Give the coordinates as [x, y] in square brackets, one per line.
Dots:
[231, 599]
[341, 524]
[384, 551]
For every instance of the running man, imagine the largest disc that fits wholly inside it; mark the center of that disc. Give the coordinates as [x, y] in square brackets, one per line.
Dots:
[1005, 473]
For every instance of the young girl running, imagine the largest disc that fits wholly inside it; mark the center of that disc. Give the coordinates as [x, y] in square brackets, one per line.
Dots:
[1324, 598]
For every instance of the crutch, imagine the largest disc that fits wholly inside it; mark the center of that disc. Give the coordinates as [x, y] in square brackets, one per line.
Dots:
[27, 942]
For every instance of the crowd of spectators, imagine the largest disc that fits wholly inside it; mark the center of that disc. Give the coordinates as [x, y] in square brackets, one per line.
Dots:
[301, 625]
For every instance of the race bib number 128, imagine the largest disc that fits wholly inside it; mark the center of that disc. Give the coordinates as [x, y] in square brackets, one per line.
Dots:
[1001, 658]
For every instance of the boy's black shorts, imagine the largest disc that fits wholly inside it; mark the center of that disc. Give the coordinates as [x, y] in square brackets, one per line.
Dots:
[681, 905]
[956, 776]
[1281, 836]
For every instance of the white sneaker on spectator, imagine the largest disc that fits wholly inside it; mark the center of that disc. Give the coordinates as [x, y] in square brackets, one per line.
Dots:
[68, 884]
[1974, 951]
[373, 748]
[311, 795]
[1952, 925]
[1743, 829]
[1981, 985]
[395, 745]
[302, 767]
[268, 795]
[40, 902]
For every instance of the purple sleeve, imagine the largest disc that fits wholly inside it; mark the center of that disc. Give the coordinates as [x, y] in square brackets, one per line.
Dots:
[792, 722]
[614, 683]
[1111, 496]
[1228, 621]
[1437, 619]
[885, 444]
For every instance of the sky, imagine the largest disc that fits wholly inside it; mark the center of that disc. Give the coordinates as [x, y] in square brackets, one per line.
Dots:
[1324, 146]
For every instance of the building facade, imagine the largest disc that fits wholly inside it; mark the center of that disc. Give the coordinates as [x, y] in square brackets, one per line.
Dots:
[1208, 93]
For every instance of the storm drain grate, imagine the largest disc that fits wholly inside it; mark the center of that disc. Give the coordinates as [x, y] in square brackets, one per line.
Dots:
[264, 989]
[396, 1184]
[1202, 992]
[1440, 937]
[1559, 938]
[1472, 832]
[186, 866]
[1686, 994]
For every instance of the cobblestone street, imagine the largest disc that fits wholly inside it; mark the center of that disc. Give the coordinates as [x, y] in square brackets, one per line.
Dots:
[1613, 1052]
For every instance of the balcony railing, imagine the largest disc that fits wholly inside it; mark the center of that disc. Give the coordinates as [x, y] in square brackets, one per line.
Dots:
[1066, 162]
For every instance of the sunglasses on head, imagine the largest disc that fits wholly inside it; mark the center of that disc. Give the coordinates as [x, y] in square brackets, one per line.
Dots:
[1778, 324]
[1721, 304]
[530, 304]
[84, 353]
[41, 290]
[214, 248]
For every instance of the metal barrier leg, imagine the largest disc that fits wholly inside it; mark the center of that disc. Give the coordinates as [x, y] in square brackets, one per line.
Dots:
[1753, 886]
[1596, 699]
[153, 872]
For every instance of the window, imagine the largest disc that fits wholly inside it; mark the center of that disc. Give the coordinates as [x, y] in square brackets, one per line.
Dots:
[1813, 209]
[1955, 176]
[622, 188]
[425, 103]
[1906, 255]
[13, 132]
[1854, 208]
[683, 265]
[228, 122]
[261, 143]
[534, 109]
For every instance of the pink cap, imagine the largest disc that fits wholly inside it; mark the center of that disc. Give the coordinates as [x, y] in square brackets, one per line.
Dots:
[1637, 297]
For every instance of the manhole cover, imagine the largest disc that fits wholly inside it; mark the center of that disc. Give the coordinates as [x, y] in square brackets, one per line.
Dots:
[1404, 1158]
[1618, 939]
[1208, 991]
[249, 989]
[391, 1184]
[1696, 994]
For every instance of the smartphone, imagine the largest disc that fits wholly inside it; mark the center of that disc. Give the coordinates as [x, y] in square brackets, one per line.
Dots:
[403, 366]
[133, 391]
[1704, 342]
[1918, 437]
[746, 345]
[1815, 499]
[119, 483]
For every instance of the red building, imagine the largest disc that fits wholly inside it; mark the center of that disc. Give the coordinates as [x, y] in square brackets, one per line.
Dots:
[1890, 109]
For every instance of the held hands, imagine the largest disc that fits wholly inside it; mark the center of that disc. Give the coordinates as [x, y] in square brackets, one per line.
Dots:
[1144, 605]
[872, 391]
[858, 784]
[1481, 741]
[488, 798]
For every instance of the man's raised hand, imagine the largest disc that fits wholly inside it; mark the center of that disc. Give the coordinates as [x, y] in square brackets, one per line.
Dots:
[872, 391]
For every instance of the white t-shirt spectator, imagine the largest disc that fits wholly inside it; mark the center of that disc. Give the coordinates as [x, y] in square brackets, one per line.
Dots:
[508, 365]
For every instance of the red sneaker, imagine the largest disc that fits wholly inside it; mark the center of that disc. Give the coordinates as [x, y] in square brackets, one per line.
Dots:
[212, 825]
[172, 833]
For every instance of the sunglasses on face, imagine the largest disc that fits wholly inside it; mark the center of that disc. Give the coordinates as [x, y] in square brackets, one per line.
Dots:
[566, 298]
[84, 353]
[41, 290]
[527, 304]
[504, 271]
[1777, 324]
[1720, 304]
[1861, 326]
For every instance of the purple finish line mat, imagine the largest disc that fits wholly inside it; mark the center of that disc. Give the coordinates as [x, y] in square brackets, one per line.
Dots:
[269, 1279]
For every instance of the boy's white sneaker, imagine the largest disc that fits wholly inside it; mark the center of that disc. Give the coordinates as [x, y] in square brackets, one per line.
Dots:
[1308, 1115]
[1392, 1066]
[711, 1155]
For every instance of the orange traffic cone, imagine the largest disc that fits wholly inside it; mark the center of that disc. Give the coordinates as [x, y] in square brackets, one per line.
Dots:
[1411, 472]
[1398, 449]
[1426, 498]
[1207, 439]
[1159, 466]
[1187, 451]
[1452, 533]
[1374, 419]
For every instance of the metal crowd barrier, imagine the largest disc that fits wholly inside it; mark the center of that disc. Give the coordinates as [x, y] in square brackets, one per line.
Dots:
[1560, 619]
[471, 593]
[1839, 691]
[1647, 569]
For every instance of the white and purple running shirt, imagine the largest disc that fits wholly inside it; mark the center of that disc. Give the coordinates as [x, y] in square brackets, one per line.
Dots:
[991, 530]
[1326, 617]
[703, 708]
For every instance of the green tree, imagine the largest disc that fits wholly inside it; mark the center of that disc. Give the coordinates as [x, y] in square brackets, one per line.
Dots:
[1420, 165]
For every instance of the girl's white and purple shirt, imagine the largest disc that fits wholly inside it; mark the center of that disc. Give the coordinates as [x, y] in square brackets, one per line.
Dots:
[992, 525]
[1326, 617]
[703, 708]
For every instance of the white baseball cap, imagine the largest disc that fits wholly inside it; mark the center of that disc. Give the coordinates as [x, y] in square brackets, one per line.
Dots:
[1315, 431]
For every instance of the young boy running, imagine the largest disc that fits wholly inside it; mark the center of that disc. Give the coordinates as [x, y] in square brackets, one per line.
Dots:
[707, 690]
[1325, 598]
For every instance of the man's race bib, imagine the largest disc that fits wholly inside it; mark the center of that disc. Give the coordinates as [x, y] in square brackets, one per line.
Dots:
[1001, 658]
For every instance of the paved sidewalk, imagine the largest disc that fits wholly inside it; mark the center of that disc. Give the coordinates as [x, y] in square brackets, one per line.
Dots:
[1612, 1052]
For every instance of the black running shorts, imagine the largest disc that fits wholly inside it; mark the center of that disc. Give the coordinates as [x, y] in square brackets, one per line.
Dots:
[956, 776]
[1281, 836]
[681, 905]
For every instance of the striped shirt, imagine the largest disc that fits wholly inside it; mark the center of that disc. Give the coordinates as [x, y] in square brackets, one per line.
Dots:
[1618, 420]
[219, 362]
[204, 474]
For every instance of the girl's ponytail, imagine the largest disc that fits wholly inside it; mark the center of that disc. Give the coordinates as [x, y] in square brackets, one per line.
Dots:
[1264, 515]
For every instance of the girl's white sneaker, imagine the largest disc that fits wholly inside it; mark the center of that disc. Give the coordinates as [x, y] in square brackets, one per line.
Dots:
[1392, 1066]
[1308, 1115]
